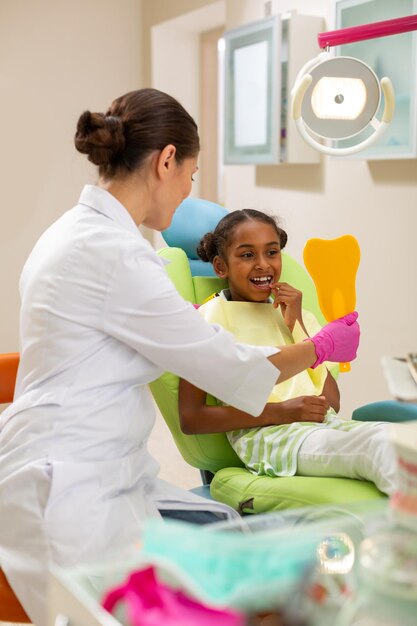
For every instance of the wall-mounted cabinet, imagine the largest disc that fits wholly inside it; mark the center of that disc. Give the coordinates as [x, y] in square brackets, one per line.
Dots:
[262, 60]
[393, 56]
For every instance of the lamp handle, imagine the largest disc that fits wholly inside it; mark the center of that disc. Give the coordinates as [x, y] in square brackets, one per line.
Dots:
[389, 98]
[298, 94]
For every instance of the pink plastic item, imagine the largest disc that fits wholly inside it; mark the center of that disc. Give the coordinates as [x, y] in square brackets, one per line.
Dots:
[367, 31]
[338, 340]
[151, 603]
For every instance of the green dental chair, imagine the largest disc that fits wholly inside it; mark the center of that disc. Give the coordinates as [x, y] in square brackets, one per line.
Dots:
[229, 482]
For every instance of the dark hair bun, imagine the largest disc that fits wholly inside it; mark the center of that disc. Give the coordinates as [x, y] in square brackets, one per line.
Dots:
[99, 136]
[207, 248]
[283, 237]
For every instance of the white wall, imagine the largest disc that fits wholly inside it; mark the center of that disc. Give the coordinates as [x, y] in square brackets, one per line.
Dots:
[57, 58]
[375, 201]
[176, 56]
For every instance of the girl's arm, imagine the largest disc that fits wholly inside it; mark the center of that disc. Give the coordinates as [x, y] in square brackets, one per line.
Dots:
[331, 392]
[198, 418]
[290, 301]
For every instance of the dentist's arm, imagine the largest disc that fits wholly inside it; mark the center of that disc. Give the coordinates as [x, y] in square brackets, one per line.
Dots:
[291, 360]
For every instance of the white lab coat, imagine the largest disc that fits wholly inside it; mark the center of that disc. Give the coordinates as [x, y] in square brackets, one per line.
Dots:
[99, 320]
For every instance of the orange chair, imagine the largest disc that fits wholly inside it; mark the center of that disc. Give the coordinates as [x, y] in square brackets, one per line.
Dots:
[10, 608]
[8, 370]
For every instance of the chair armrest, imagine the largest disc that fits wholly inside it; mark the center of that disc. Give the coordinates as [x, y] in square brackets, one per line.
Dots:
[386, 411]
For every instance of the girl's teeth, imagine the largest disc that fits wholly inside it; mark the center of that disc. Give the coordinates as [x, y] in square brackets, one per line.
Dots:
[261, 281]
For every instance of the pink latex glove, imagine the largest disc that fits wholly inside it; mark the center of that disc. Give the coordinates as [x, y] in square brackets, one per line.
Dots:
[337, 341]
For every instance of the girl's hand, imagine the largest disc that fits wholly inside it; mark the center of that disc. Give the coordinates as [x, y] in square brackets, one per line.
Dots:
[290, 300]
[302, 409]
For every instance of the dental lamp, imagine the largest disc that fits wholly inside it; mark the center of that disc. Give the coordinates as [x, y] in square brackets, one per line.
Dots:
[336, 98]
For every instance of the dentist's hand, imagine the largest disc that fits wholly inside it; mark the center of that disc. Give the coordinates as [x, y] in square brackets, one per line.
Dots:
[337, 341]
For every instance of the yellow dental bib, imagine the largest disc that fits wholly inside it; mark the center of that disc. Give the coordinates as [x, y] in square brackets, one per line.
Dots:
[261, 324]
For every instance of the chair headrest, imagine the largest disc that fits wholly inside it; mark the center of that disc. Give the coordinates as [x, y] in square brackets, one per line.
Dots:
[192, 220]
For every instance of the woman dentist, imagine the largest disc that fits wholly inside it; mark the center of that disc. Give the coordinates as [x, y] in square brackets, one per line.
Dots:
[99, 320]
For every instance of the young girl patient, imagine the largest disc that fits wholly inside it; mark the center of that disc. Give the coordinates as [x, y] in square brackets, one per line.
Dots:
[298, 431]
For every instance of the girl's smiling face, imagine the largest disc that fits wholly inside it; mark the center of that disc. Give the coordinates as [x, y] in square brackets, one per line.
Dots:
[253, 261]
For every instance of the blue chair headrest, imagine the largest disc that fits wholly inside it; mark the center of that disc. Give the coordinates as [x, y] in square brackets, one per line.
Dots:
[192, 220]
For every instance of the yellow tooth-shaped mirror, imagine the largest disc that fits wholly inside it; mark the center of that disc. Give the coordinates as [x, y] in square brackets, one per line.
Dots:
[332, 264]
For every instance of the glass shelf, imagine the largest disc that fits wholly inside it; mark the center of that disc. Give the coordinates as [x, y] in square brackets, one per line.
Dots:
[262, 60]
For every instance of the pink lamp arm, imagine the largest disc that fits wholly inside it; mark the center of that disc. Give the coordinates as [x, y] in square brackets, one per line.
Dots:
[367, 31]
